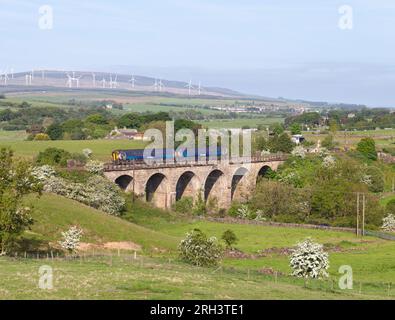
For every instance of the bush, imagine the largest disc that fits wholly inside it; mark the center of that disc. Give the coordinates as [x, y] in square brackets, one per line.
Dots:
[183, 205]
[199, 250]
[230, 238]
[390, 207]
[55, 131]
[367, 148]
[41, 137]
[389, 223]
[309, 260]
[328, 142]
[375, 179]
[71, 239]
[97, 192]
[53, 156]
[95, 167]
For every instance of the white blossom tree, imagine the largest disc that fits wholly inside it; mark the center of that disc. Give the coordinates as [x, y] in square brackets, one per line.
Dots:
[71, 239]
[309, 260]
[87, 152]
[95, 167]
[389, 223]
[299, 152]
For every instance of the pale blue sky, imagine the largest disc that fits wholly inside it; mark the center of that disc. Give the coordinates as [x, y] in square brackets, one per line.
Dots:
[274, 48]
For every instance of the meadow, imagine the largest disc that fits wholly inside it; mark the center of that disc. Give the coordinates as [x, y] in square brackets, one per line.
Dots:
[29, 149]
[383, 138]
[155, 271]
[240, 123]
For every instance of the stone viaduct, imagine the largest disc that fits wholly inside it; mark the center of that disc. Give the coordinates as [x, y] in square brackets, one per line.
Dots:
[164, 184]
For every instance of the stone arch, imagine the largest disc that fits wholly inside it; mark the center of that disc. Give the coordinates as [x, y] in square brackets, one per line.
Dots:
[188, 185]
[262, 172]
[216, 186]
[124, 181]
[239, 185]
[156, 190]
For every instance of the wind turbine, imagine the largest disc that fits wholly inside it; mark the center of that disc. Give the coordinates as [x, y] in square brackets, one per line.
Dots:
[132, 81]
[69, 81]
[103, 81]
[113, 83]
[156, 85]
[160, 85]
[5, 77]
[28, 79]
[78, 81]
[189, 86]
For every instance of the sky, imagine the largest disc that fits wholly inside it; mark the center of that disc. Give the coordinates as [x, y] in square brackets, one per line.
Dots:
[274, 48]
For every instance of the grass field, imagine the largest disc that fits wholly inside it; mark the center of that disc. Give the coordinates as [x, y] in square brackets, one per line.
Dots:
[383, 138]
[101, 148]
[158, 274]
[145, 278]
[239, 123]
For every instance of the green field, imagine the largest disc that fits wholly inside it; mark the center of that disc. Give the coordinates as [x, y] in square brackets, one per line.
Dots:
[101, 148]
[239, 123]
[383, 138]
[156, 272]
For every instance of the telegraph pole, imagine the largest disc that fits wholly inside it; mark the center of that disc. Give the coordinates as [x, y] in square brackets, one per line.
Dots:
[363, 215]
[357, 214]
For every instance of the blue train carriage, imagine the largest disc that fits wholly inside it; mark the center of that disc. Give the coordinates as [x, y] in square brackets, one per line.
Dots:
[137, 155]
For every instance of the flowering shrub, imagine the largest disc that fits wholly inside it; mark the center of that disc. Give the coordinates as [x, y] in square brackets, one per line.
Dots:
[95, 167]
[265, 153]
[199, 250]
[389, 223]
[71, 239]
[87, 152]
[309, 260]
[328, 161]
[97, 192]
[43, 173]
[299, 151]
[243, 212]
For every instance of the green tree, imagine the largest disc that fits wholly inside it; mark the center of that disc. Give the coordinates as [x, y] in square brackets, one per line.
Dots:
[16, 181]
[230, 238]
[96, 118]
[296, 128]
[281, 143]
[277, 128]
[53, 156]
[55, 131]
[367, 148]
[328, 142]
[333, 126]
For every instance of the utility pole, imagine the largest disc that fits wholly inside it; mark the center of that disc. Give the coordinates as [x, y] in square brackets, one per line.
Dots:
[133, 196]
[363, 215]
[357, 214]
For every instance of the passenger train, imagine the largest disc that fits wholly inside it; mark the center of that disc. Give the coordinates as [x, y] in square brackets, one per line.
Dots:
[137, 155]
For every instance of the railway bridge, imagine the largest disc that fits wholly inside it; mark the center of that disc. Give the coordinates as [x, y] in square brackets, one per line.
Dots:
[165, 183]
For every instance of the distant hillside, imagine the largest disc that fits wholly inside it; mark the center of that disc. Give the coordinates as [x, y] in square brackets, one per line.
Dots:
[103, 80]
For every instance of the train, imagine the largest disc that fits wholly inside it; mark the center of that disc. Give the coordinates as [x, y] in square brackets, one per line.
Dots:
[137, 155]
